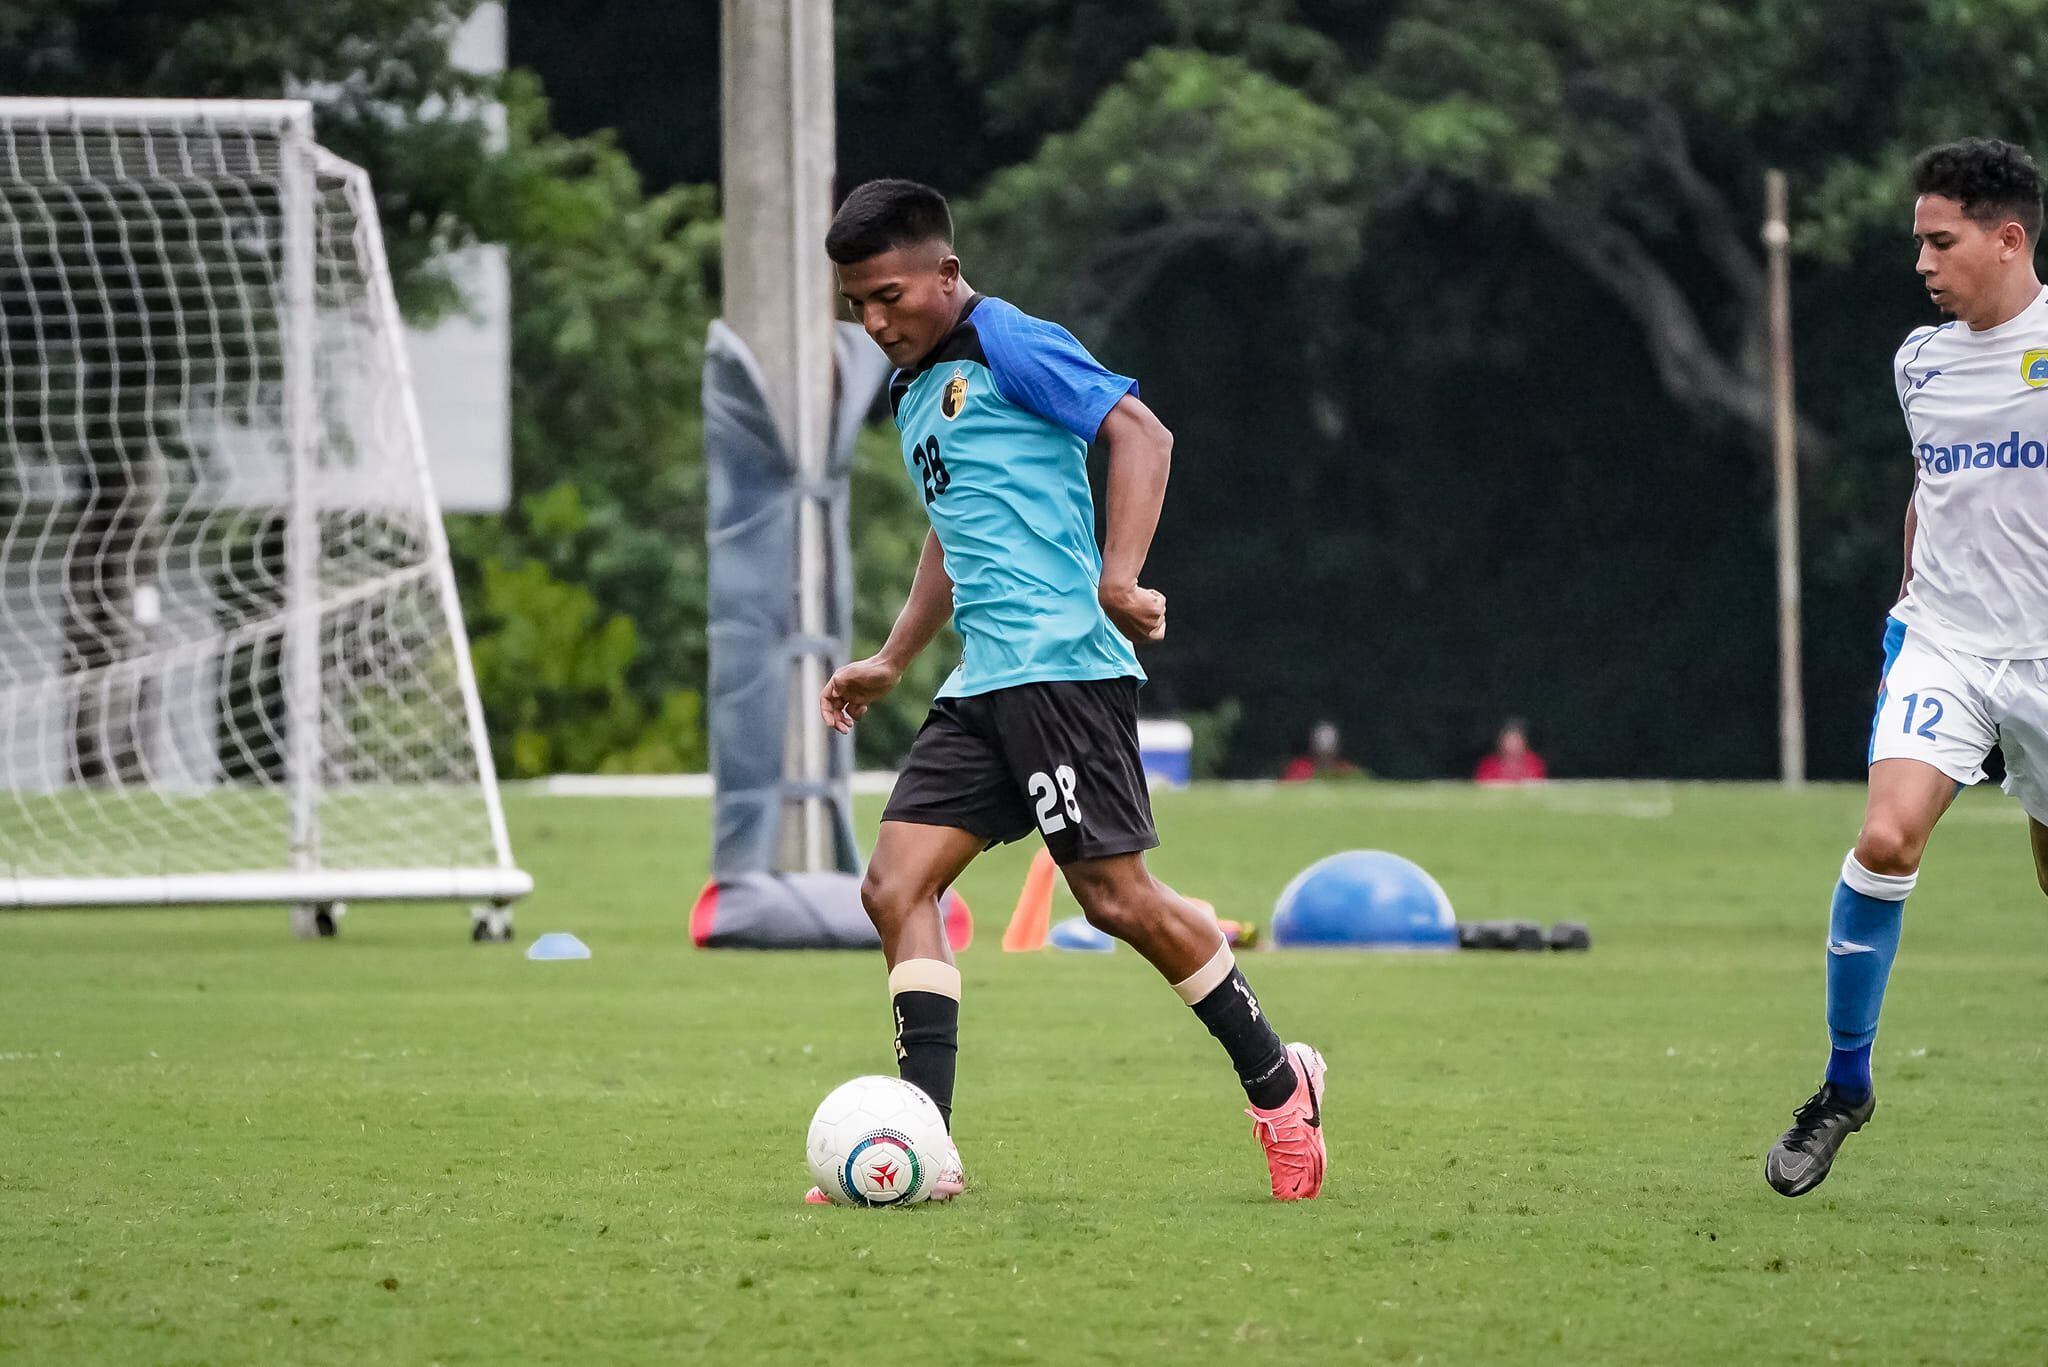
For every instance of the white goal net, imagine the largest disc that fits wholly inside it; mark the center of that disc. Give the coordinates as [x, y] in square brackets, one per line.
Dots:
[232, 666]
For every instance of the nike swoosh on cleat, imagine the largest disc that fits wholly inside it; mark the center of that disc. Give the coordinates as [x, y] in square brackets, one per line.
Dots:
[1839, 947]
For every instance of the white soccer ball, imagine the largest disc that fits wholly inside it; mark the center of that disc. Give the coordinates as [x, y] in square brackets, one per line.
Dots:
[877, 1141]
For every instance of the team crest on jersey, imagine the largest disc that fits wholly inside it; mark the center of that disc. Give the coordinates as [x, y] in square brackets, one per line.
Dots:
[955, 396]
[2034, 369]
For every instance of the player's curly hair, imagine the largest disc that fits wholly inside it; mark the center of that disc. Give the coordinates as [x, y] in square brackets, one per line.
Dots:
[883, 214]
[1993, 181]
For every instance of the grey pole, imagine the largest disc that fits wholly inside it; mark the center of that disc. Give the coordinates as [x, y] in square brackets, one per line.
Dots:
[302, 687]
[1785, 465]
[776, 63]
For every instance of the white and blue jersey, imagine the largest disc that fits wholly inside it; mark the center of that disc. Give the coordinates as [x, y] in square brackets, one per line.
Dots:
[996, 424]
[1966, 651]
[1976, 406]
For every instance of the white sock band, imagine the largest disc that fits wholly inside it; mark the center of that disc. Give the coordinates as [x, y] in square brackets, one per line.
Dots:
[1885, 887]
[925, 975]
[1208, 977]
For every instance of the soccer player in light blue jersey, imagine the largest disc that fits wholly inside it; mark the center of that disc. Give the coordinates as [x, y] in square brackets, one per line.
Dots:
[1037, 728]
[1966, 647]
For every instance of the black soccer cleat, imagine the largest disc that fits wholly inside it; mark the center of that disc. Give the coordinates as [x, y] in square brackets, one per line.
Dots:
[1800, 1160]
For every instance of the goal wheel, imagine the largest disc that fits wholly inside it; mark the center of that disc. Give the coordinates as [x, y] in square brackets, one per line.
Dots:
[317, 920]
[490, 925]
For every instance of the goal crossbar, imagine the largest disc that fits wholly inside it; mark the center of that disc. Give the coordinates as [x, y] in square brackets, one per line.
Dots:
[297, 114]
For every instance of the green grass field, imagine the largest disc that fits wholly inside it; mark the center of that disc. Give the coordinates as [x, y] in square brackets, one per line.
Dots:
[218, 1144]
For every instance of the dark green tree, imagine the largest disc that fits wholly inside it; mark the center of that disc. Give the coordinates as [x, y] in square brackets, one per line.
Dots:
[1553, 205]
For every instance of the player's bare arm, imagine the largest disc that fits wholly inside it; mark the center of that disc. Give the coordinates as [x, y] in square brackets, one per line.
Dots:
[1140, 458]
[856, 687]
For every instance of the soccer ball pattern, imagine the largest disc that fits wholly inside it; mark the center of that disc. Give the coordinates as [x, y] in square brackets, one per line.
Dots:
[876, 1141]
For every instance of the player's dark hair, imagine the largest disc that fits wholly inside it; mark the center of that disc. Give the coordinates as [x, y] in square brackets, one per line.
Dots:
[884, 214]
[1993, 181]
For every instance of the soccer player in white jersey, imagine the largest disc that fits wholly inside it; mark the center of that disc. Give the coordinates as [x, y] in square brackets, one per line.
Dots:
[1966, 648]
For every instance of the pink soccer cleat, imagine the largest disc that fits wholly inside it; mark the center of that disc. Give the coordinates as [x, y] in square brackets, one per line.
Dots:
[952, 1179]
[1292, 1132]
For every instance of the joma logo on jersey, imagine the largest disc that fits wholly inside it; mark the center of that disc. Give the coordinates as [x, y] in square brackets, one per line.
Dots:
[2010, 454]
[2034, 368]
[954, 398]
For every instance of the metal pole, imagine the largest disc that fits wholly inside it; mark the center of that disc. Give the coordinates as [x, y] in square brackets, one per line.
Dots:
[811, 161]
[370, 231]
[778, 161]
[302, 516]
[1785, 467]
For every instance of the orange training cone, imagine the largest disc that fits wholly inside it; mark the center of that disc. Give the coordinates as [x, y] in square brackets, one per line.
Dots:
[1029, 922]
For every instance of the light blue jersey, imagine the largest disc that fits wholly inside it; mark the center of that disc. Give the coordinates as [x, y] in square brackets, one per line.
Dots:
[996, 424]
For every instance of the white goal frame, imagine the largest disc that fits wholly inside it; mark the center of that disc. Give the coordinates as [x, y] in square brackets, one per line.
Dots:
[485, 872]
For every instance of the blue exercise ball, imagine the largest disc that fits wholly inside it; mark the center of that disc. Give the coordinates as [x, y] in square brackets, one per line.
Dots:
[1367, 899]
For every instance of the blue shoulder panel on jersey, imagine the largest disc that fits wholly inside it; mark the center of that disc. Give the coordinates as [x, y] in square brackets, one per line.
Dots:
[1041, 368]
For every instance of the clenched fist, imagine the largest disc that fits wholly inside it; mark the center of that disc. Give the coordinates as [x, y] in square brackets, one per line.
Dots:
[1138, 612]
[853, 689]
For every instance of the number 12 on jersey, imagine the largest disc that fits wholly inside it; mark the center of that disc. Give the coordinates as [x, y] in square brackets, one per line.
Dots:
[1930, 710]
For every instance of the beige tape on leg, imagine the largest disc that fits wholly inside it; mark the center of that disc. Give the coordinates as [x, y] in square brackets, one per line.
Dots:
[925, 975]
[1208, 977]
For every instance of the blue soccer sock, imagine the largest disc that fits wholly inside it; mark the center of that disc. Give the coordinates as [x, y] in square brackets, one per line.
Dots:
[1863, 939]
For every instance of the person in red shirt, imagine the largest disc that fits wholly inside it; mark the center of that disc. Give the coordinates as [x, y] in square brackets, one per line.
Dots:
[1325, 757]
[1512, 761]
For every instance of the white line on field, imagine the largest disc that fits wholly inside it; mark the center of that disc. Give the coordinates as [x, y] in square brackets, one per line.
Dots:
[864, 782]
[1644, 801]
[1650, 801]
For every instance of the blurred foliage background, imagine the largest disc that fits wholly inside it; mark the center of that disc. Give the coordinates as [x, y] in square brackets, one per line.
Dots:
[1456, 309]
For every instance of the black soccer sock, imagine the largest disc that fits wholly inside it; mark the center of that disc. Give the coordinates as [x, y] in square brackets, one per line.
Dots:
[926, 996]
[1223, 1001]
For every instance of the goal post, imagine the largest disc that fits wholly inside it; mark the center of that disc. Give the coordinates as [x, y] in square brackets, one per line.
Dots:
[232, 661]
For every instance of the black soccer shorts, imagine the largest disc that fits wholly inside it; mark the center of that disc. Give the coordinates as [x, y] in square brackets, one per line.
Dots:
[1058, 757]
